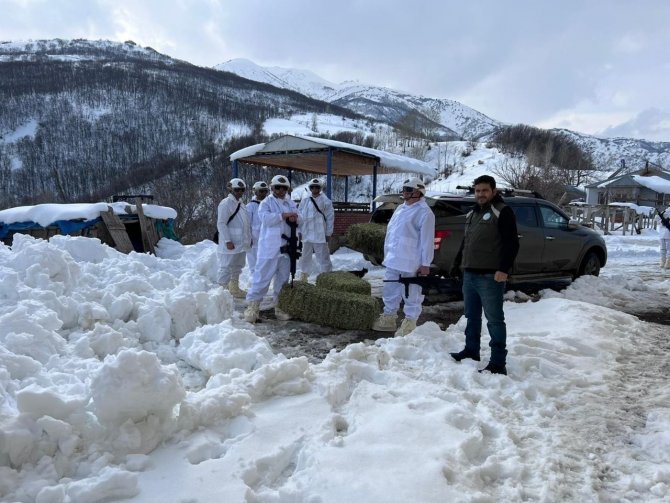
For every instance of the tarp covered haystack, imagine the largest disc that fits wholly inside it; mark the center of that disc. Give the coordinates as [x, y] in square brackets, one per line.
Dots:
[343, 281]
[345, 310]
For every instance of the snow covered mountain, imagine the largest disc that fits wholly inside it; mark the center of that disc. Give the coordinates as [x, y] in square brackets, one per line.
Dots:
[450, 118]
[85, 119]
[78, 50]
[302, 81]
[607, 153]
[392, 106]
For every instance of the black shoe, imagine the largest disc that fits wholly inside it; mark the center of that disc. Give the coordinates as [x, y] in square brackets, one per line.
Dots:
[495, 369]
[463, 355]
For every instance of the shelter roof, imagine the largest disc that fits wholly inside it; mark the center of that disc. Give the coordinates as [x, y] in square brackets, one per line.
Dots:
[310, 154]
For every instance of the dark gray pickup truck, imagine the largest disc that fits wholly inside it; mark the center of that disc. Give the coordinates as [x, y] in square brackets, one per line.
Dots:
[551, 247]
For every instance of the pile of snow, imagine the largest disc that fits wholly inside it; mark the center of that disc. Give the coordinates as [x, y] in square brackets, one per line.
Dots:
[134, 376]
[47, 214]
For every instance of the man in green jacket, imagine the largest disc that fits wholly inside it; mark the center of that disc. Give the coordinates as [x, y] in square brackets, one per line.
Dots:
[486, 256]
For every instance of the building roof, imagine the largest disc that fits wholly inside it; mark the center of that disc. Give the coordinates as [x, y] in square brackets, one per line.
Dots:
[632, 179]
[310, 154]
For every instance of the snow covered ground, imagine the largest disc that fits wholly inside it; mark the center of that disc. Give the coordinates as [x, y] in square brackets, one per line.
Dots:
[134, 377]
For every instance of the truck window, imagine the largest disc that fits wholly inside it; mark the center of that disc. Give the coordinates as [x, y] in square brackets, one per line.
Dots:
[525, 215]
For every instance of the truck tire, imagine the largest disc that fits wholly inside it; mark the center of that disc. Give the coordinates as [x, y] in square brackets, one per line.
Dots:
[590, 265]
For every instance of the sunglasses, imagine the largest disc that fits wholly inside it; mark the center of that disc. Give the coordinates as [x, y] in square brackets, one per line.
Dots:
[238, 190]
[408, 189]
[280, 187]
[312, 187]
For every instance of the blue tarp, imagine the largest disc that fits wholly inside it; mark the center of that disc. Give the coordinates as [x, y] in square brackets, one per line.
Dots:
[64, 226]
[72, 226]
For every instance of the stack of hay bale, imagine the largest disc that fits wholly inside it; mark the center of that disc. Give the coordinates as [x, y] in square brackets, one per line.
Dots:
[368, 239]
[340, 299]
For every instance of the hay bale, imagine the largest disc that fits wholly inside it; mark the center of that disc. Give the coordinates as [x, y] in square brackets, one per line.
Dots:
[367, 239]
[343, 281]
[345, 310]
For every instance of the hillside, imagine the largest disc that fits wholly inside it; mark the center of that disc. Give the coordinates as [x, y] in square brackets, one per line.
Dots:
[391, 106]
[446, 119]
[608, 153]
[86, 119]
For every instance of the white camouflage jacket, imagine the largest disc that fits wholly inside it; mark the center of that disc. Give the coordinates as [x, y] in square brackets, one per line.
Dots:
[315, 226]
[273, 225]
[238, 230]
[410, 237]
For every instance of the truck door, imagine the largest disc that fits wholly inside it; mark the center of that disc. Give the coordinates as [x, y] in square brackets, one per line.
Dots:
[562, 245]
[531, 239]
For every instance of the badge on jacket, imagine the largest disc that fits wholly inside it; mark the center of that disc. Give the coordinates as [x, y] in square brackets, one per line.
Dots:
[487, 216]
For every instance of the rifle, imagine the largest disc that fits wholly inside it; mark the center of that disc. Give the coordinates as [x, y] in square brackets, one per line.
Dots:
[293, 247]
[666, 221]
[425, 282]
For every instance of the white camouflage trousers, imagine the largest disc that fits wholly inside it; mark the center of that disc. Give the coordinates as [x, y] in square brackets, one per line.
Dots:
[665, 249]
[252, 258]
[321, 254]
[267, 268]
[230, 266]
[393, 293]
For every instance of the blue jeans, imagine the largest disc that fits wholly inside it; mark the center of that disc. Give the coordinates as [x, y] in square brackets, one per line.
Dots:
[481, 291]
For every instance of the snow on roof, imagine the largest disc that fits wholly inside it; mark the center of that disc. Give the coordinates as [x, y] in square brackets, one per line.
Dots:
[47, 214]
[389, 162]
[655, 183]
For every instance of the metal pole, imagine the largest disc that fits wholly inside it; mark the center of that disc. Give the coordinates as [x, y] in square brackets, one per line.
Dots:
[374, 186]
[346, 189]
[329, 174]
[235, 168]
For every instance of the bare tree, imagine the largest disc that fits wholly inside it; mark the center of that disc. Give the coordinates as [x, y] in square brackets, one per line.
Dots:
[518, 173]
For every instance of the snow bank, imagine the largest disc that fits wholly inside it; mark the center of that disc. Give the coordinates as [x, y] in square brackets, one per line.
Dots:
[133, 376]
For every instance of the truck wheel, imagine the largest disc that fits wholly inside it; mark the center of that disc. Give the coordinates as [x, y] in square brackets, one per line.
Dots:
[590, 265]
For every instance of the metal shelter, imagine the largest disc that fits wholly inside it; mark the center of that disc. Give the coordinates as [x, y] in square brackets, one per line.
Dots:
[329, 157]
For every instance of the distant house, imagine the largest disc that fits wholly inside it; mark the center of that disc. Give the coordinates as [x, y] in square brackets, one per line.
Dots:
[647, 187]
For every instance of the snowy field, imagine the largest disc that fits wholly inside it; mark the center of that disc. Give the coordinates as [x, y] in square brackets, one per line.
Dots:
[134, 377]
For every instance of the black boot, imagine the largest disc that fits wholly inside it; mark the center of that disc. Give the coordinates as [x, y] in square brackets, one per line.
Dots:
[495, 369]
[465, 354]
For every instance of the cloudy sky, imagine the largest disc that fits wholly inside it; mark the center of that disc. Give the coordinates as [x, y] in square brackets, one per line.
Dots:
[596, 66]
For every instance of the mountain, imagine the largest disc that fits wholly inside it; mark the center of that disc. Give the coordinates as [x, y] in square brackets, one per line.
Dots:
[608, 153]
[86, 119]
[447, 119]
[42, 51]
[391, 106]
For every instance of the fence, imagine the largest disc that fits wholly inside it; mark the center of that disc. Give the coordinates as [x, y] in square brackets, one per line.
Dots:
[610, 218]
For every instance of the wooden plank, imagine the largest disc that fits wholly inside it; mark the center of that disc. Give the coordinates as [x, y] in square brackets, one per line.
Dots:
[148, 229]
[117, 230]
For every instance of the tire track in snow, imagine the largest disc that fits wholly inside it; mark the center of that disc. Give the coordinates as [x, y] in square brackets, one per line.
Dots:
[597, 459]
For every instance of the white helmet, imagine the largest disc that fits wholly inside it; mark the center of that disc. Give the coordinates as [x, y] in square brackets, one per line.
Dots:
[416, 184]
[315, 182]
[237, 183]
[260, 186]
[280, 181]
